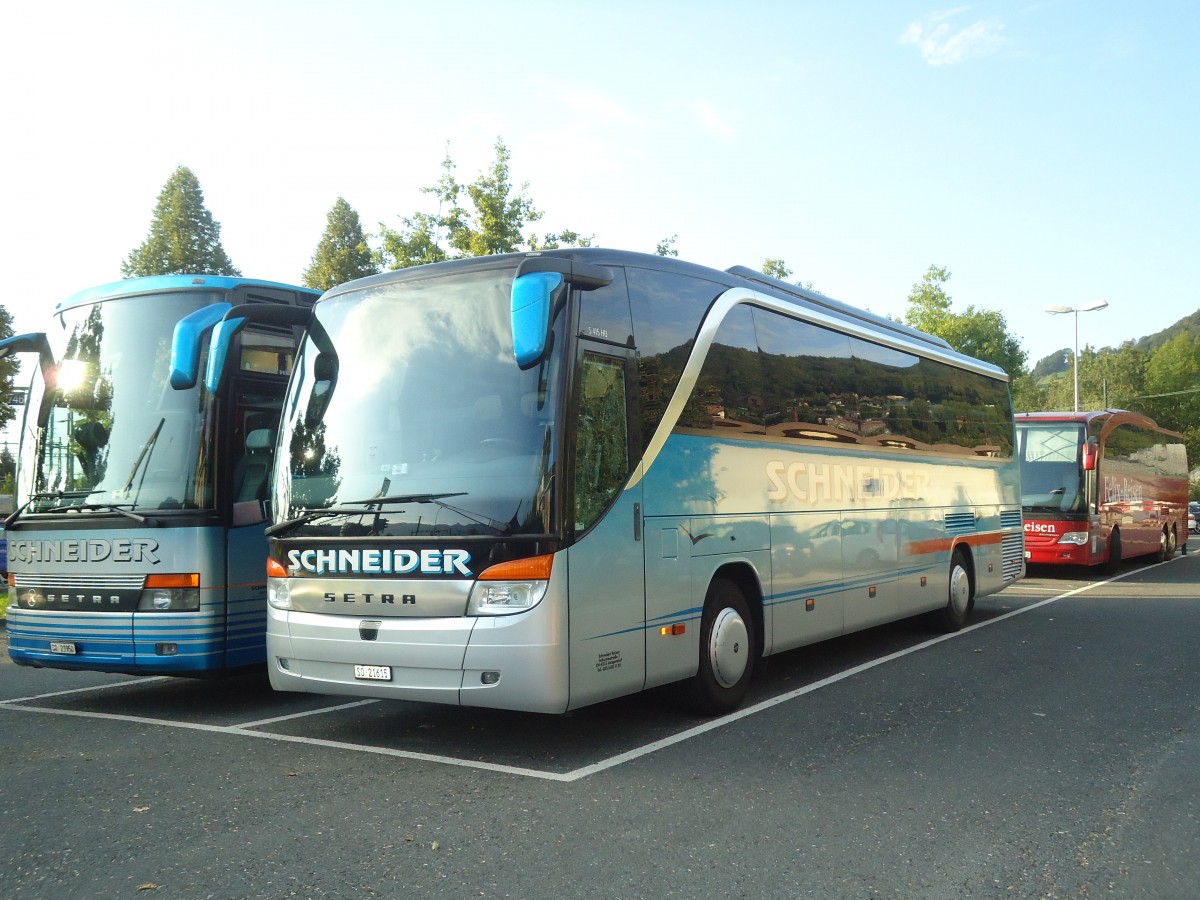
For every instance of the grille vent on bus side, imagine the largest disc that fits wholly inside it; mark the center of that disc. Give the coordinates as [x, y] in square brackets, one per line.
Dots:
[1012, 546]
[958, 523]
[1012, 549]
[1010, 518]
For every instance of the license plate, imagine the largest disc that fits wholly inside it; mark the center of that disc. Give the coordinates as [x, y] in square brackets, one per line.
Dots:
[373, 673]
[63, 647]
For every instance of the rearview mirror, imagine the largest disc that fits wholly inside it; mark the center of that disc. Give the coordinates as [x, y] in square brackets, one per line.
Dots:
[1090, 452]
[532, 304]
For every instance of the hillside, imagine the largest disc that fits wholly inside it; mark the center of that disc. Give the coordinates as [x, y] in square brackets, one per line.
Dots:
[1060, 360]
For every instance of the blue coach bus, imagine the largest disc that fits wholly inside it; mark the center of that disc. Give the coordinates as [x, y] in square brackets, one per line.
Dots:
[137, 544]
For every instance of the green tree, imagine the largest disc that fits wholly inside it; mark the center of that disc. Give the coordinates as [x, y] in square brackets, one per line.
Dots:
[1173, 382]
[8, 472]
[666, 247]
[343, 254]
[564, 238]
[419, 242]
[776, 268]
[492, 223]
[499, 213]
[8, 371]
[981, 333]
[184, 238]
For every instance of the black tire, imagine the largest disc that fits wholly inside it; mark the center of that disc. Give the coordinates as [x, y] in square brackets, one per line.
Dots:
[1114, 553]
[961, 595]
[727, 651]
[1167, 545]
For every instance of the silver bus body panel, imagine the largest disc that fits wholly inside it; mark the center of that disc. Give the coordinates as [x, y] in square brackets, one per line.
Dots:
[387, 597]
[440, 659]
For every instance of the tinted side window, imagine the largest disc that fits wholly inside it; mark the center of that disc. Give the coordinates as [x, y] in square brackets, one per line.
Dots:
[667, 310]
[604, 312]
[806, 377]
[810, 383]
[729, 394]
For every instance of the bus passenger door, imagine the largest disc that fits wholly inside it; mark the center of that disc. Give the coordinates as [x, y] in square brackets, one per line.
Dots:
[607, 606]
[251, 427]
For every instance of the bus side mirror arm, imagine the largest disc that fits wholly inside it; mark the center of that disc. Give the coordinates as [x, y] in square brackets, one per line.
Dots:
[538, 292]
[234, 320]
[185, 344]
[33, 342]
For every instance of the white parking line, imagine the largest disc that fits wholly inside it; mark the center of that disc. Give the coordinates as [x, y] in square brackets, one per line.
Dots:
[99, 687]
[305, 714]
[246, 729]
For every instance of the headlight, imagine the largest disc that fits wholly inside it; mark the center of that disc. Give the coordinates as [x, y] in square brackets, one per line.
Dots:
[170, 593]
[510, 587]
[1073, 537]
[278, 593]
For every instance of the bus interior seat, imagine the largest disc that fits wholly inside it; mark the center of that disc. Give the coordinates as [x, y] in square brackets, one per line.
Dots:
[253, 470]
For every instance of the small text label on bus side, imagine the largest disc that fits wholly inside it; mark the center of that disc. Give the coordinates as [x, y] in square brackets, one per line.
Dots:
[380, 562]
[834, 482]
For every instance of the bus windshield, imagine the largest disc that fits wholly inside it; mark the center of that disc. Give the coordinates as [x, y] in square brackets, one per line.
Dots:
[1050, 469]
[408, 415]
[115, 434]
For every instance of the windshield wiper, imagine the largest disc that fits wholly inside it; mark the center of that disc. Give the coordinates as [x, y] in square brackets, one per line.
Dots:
[344, 509]
[147, 449]
[46, 495]
[105, 507]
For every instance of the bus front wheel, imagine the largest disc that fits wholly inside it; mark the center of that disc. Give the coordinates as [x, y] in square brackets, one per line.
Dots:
[726, 651]
[1114, 553]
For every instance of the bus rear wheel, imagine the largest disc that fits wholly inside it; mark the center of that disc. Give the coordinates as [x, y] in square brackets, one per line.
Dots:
[727, 643]
[1166, 545]
[961, 599]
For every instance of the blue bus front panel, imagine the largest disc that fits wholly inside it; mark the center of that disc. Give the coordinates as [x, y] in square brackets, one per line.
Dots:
[75, 597]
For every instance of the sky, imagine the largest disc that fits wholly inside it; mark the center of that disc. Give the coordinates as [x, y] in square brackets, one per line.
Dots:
[1045, 153]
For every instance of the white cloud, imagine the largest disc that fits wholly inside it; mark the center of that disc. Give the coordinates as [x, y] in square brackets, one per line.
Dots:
[708, 116]
[944, 44]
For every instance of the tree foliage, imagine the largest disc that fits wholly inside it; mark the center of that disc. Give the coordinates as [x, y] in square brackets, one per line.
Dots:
[666, 247]
[342, 254]
[564, 238]
[776, 268]
[184, 238]
[981, 333]
[491, 222]
[8, 371]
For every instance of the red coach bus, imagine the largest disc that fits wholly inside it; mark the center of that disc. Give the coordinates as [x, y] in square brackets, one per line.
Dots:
[1099, 487]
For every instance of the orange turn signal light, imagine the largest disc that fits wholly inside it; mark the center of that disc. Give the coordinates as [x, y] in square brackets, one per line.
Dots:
[535, 568]
[275, 569]
[189, 580]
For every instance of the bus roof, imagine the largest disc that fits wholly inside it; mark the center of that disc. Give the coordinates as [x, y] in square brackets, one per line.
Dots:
[154, 284]
[1087, 417]
[734, 277]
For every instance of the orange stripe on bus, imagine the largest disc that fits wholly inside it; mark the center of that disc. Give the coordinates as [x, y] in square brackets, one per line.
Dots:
[939, 545]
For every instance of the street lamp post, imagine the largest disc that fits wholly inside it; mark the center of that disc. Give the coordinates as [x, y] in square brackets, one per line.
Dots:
[1062, 310]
